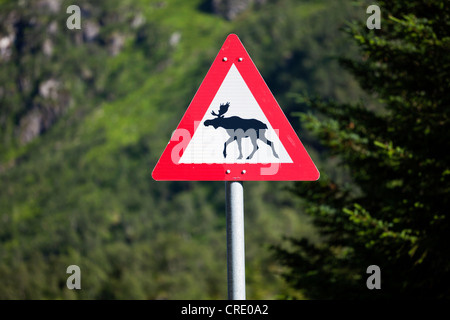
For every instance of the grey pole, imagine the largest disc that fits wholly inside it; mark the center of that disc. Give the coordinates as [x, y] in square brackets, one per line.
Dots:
[234, 193]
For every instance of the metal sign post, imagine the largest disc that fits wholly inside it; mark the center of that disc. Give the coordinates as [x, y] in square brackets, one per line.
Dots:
[234, 193]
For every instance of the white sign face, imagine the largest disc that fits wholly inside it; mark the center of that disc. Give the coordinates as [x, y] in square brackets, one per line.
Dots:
[234, 129]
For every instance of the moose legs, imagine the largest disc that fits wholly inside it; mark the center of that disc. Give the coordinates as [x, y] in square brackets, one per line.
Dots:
[262, 137]
[239, 143]
[253, 138]
[253, 135]
[232, 137]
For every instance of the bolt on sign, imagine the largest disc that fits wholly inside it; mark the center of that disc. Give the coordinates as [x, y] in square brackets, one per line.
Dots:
[234, 129]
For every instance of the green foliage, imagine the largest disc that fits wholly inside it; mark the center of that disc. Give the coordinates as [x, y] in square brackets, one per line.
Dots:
[391, 208]
[77, 188]
[308, 41]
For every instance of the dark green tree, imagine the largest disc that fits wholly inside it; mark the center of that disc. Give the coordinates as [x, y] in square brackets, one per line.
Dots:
[387, 201]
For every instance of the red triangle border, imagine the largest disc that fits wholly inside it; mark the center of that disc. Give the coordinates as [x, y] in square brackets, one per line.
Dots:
[167, 168]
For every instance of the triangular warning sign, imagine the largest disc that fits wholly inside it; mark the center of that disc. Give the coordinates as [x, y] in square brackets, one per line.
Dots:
[234, 129]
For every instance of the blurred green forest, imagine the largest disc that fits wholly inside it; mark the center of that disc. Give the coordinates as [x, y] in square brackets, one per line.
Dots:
[85, 115]
[394, 210]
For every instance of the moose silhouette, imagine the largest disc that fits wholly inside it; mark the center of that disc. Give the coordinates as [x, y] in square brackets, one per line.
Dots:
[238, 128]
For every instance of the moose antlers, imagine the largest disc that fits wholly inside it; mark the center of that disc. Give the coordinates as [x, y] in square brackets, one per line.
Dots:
[223, 109]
